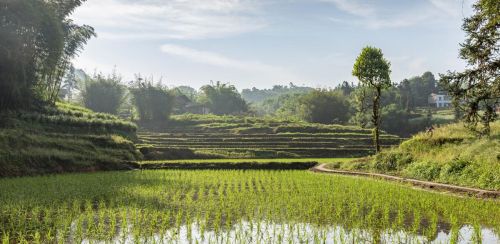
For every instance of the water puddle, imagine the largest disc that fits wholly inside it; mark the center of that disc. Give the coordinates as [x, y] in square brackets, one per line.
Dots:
[268, 232]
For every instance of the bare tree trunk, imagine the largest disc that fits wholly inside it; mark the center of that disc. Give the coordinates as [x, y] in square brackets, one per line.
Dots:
[376, 119]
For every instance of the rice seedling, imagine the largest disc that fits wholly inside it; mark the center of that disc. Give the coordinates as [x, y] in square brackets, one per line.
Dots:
[220, 206]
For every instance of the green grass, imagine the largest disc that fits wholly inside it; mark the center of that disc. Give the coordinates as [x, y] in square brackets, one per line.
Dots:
[65, 138]
[210, 136]
[234, 206]
[451, 155]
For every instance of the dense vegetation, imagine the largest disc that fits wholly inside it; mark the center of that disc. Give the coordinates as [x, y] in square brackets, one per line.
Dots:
[257, 96]
[38, 42]
[103, 94]
[64, 139]
[451, 154]
[153, 103]
[222, 98]
[404, 107]
[237, 207]
[465, 153]
[476, 90]
[209, 136]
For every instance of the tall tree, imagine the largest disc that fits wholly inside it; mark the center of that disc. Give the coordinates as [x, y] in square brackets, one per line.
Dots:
[405, 94]
[373, 70]
[476, 91]
[37, 42]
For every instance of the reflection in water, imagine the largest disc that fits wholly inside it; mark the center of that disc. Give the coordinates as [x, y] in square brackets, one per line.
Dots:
[268, 232]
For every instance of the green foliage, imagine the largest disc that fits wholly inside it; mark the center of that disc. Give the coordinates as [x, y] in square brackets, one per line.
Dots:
[153, 103]
[283, 106]
[187, 91]
[326, 107]
[394, 119]
[476, 91]
[103, 94]
[38, 42]
[255, 95]
[222, 98]
[414, 92]
[373, 70]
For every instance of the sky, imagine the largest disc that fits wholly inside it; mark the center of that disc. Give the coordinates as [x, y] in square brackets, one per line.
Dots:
[261, 43]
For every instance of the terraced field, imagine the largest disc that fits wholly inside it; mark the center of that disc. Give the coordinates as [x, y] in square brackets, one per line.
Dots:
[256, 138]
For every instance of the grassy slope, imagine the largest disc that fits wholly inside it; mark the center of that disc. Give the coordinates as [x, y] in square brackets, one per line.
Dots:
[63, 139]
[452, 155]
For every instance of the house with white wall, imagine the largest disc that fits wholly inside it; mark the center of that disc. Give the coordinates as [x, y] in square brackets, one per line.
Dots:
[439, 100]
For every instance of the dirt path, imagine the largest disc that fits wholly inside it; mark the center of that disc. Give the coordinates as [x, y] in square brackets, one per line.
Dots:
[423, 184]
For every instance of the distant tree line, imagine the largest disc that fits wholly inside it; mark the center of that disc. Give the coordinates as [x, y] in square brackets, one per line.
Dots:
[403, 103]
[256, 95]
[400, 104]
[148, 101]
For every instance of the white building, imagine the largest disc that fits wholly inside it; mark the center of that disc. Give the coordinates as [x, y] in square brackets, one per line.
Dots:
[439, 100]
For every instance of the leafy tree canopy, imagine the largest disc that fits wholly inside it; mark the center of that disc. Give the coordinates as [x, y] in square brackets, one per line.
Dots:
[476, 91]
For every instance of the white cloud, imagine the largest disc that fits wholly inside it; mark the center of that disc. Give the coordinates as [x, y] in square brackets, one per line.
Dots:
[453, 8]
[236, 69]
[371, 16]
[353, 7]
[174, 19]
[215, 59]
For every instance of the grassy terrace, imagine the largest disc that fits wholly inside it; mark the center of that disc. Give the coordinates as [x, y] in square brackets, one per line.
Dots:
[260, 163]
[210, 137]
[64, 138]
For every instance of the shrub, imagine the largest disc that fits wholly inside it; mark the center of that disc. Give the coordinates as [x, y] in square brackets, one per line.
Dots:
[323, 106]
[424, 170]
[222, 99]
[103, 94]
[455, 167]
[153, 103]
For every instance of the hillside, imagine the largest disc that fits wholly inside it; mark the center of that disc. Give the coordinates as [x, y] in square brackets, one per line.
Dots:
[451, 155]
[210, 136]
[64, 138]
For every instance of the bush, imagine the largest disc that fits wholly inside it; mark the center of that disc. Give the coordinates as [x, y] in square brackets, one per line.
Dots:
[153, 103]
[223, 99]
[424, 170]
[103, 94]
[391, 161]
[323, 106]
